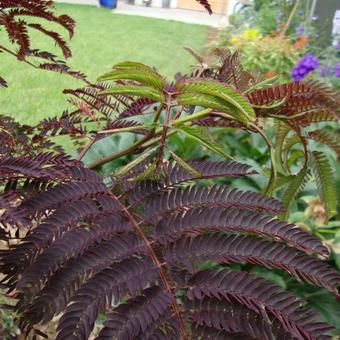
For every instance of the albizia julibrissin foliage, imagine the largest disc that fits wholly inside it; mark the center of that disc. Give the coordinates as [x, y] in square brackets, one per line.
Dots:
[18, 18]
[152, 254]
[150, 248]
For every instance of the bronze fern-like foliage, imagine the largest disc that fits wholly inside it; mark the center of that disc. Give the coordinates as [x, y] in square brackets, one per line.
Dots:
[138, 251]
[153, 248]
[12, 21]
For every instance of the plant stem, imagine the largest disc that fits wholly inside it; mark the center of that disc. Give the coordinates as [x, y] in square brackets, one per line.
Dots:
[86, 148]
[272, 178]
[15, 55]
[196, 115]
[127, 129]
[158, 264]
[119, 154]
[156, 140]
[158, 113]
[297, 115]
[290, 18]
[152, 133]
[164, 131]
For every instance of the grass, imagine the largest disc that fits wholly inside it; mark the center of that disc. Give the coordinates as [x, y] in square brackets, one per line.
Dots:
[101, 40]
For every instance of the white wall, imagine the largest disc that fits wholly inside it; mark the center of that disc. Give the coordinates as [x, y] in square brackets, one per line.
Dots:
[231, 5]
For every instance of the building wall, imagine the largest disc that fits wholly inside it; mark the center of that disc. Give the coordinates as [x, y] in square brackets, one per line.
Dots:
[218, 6]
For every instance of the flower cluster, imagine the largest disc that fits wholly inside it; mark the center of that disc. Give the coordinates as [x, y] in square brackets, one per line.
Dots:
[336, 72]
[299, 30]
[328, 70]
[305, 65]
[324, 71]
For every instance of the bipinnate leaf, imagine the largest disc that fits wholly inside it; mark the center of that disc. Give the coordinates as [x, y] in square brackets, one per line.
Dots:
[199, 135]
[125, 169]
[180, 199]
[295, 185]
[135, 72]
[261, 297]
[139, 257]
[57, 294]
[229, 100]
[281, 132]
[222, 248]
[135, 316]
[131, 275]
[151, 249]
[135, 90]
[331, 139]
[324, 175]
[197, 221]
[176, 175]
[186, 166]
[220, 319]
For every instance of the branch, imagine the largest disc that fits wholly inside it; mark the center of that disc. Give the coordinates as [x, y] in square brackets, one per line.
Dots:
[154, 132]
[289, 21]
[16, 56]
[86, 148]
[158, 264]
[119, 154]
[272, 178]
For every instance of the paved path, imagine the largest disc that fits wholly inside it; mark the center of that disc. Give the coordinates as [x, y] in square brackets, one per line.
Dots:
[184, 15]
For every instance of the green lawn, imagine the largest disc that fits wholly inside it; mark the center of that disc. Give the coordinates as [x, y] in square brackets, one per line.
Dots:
[101, 40]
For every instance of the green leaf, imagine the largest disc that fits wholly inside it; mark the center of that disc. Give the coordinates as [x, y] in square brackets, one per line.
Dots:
[296, 184]
[263, 84]
[150, 172]
[133, 90]
[283, 181]
[197, 134]
[204, 101]
[325, 179]
[281, 132]
[133, 65]
[191, 117]
[295, 155]
[290, 142]
[273, 105]
[135, 162]
[270, 275]
[185, 165]
[244, 111]
[143, 76]
[331, 139]
[325, 304]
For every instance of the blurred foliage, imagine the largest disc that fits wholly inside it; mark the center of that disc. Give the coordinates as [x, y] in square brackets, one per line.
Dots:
[273, 35]
[9, 329]
[329, 58]
[269, 55]
[307, 211]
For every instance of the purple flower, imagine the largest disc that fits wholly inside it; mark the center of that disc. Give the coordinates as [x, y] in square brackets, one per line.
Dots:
[336, 71]
[299, 30]
[304, 66]
[324, 71]
[337, 46]
[314, 17]
[279, 16]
